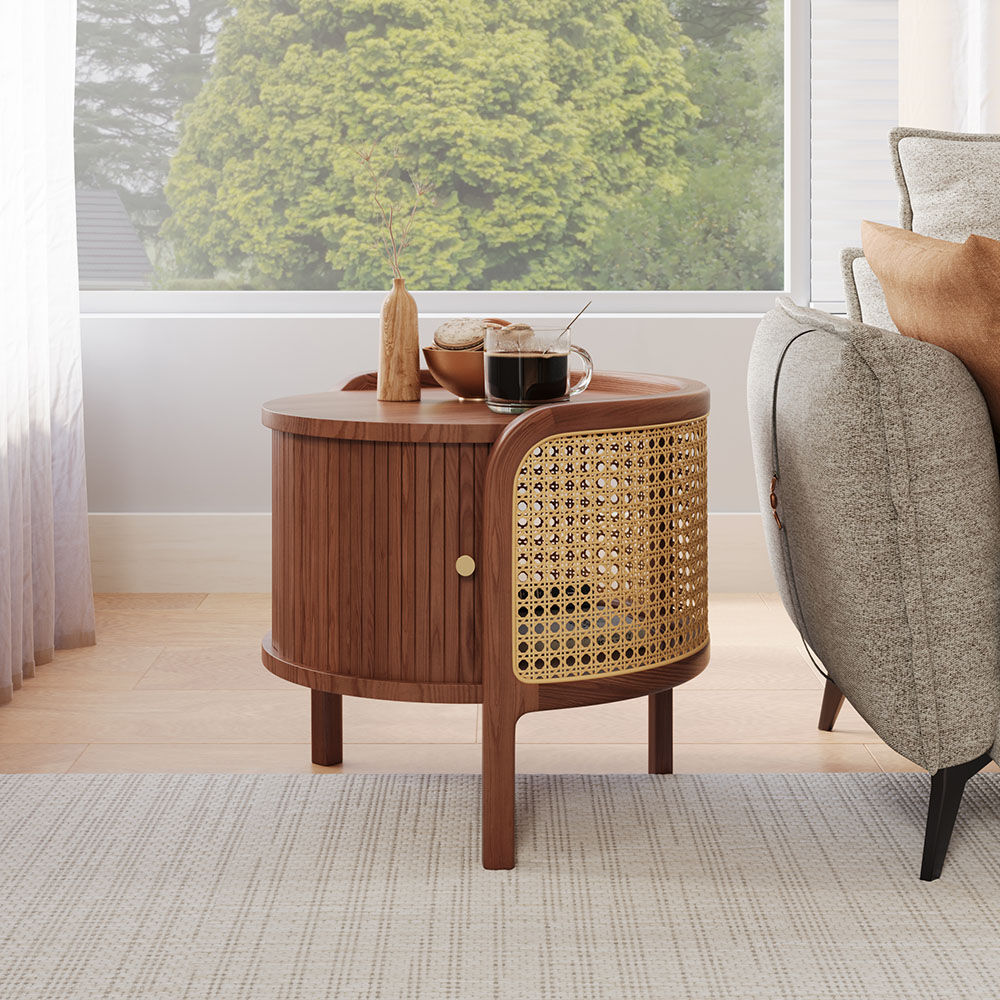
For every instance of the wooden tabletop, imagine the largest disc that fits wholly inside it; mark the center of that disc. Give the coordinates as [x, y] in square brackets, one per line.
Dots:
[439, 416]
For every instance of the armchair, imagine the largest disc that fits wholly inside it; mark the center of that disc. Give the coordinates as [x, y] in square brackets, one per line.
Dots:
[877, 474]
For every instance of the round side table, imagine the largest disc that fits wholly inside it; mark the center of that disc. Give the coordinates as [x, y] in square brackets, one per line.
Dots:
[437, 551]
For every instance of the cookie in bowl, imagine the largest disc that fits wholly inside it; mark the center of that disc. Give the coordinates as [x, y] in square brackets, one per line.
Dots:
[465, 334]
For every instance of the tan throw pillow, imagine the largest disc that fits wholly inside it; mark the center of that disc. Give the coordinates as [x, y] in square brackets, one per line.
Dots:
[946, 294]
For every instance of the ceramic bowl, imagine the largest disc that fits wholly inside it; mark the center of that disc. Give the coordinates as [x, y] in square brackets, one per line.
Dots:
[460, 372]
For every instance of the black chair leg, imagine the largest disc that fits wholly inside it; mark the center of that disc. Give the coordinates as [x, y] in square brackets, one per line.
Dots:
[947, 786]
[833, 701]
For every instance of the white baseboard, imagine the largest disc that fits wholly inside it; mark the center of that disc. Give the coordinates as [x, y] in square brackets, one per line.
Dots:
[180, 553]
[231, 553]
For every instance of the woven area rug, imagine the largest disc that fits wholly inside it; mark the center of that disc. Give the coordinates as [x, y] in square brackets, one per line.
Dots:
[322, 886]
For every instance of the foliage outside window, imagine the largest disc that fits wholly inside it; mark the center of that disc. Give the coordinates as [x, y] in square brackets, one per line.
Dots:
[573, 144]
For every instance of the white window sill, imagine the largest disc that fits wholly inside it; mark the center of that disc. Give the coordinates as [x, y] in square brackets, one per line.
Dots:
[431, 304]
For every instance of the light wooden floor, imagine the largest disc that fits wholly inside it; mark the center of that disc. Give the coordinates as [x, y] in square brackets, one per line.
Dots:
[176, 684]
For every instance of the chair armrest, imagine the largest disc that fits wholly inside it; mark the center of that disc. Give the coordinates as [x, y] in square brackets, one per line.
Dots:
[889, 561]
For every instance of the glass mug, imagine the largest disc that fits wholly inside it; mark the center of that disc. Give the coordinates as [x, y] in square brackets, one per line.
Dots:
[529, 366]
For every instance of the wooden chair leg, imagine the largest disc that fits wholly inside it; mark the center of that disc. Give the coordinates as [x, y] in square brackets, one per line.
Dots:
[327, 728]
[498, 792]
[947, 786]
[661, 732]
[833, 701]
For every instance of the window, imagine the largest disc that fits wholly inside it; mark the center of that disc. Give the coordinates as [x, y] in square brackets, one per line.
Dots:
[591, 144]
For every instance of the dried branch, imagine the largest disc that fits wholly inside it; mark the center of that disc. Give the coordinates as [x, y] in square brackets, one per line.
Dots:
[392, 240]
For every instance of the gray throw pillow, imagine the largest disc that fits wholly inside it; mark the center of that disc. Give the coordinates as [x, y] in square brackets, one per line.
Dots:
[865, 298]
[949, 182]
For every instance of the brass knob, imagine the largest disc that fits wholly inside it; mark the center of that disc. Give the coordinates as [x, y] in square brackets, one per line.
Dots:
[465, 565]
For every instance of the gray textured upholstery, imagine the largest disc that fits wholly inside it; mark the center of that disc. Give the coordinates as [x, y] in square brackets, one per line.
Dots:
[890, 499]
[865, 298]
[949, 182]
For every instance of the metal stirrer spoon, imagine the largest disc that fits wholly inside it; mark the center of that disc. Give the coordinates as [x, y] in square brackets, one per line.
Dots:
[569, 324]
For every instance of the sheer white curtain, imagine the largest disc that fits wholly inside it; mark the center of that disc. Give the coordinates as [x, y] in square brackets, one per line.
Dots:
[949, 64]
[45, 586]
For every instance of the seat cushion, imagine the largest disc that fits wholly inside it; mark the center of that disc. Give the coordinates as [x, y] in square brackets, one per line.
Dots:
[949, 182]
[889, 561]
[944, 293]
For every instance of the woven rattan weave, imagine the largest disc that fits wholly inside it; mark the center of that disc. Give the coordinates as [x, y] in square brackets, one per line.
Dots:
[610, 541]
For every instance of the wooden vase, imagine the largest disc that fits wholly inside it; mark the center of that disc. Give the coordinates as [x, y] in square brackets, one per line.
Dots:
[399, 347]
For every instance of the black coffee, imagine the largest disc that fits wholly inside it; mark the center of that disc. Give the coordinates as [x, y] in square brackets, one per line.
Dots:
[531, 378]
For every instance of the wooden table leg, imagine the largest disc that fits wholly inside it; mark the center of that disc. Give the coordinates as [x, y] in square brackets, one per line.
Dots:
[498, 791]
[661, 732]
[327, 728]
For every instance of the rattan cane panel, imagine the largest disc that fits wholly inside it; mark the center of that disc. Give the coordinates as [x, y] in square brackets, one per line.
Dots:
[610, 548]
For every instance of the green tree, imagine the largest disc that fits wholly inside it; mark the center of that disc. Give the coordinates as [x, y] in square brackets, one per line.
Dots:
[532, 122]
[138, 62]
[726, 229]
[716, 22]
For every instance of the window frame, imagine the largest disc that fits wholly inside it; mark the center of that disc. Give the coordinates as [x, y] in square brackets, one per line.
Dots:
[542, 303]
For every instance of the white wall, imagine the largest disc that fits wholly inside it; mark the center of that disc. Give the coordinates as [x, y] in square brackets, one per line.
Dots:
[172, 413]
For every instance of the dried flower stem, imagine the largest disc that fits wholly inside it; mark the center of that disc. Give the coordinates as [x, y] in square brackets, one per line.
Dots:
[390, 241]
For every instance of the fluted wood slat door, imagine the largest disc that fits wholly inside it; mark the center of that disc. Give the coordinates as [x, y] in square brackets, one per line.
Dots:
[366, 538]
